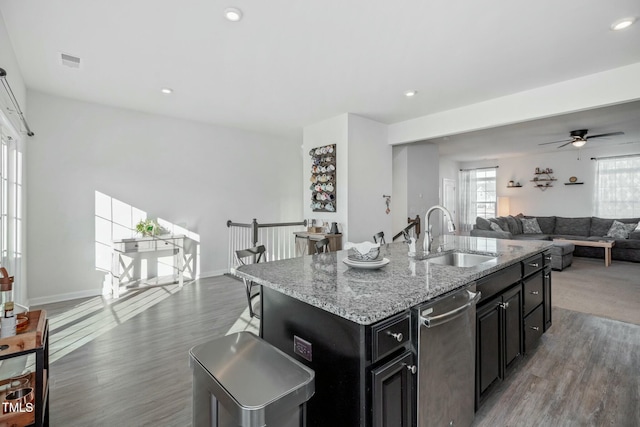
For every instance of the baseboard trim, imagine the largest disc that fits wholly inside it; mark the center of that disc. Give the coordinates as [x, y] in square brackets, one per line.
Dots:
[97, 292]
[213, 273]
[65, 297]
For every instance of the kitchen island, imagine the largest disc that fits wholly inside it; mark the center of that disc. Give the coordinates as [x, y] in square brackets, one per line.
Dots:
[354, 327]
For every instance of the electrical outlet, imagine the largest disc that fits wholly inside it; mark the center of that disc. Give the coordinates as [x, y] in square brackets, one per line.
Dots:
[302, 348]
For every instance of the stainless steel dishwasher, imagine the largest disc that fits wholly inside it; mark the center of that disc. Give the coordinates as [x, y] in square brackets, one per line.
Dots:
[446, 360]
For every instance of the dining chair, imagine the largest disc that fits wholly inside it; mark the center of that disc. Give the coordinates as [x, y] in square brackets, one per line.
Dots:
[322, 246]
[257, 253]
[302, 245]
[379, 236]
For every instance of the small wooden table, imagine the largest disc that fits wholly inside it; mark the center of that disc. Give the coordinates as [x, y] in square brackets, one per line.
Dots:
[606, 244]
[335, 241]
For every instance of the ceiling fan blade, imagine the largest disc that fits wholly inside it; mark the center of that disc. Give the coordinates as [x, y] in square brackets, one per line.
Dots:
[560, 146]
[604, 134]
[555, 142]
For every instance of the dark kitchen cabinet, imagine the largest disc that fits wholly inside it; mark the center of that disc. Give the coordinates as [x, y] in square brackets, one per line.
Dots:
[512, 315]
[364, 374]
[547, 298]
[488, 337]
[512, 312]
[392, 392]
[499, 338]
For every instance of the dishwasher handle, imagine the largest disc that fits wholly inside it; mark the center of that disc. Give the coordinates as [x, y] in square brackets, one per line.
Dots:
[431, 321]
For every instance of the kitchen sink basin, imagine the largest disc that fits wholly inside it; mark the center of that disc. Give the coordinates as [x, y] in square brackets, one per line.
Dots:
[460, 259]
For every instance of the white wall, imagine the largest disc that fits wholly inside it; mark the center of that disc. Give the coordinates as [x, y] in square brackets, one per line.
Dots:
[399, 202]
[423, 190]
[560, 200]
[416, 172]
[330, 131]
[187, 173]
[370, 177]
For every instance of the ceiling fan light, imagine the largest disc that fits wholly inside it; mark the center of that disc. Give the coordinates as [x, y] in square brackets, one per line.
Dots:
[579, 143]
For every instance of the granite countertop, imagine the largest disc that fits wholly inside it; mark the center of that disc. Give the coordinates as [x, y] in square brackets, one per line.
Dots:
[367, 296]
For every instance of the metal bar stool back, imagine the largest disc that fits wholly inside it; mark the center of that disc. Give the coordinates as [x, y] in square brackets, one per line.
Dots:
[258, 253]
[322, 246]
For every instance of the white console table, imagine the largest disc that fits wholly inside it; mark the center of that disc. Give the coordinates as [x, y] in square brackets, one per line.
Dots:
[173, 243]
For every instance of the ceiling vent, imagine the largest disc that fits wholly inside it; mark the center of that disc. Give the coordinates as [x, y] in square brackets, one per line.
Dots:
[70, 60]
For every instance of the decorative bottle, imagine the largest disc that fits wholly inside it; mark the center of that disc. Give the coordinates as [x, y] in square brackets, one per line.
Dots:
[8, 320]
[8, 327]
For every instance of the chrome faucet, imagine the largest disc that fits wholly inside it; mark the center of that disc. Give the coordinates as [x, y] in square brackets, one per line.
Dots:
[428, 237]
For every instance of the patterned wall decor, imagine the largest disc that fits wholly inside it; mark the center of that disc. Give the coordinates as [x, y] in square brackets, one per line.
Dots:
[323, 178]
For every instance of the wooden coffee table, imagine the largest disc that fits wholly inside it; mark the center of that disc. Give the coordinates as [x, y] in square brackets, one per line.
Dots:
[606, 244]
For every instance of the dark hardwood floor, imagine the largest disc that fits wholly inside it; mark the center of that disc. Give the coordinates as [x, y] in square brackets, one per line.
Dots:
[126, 363]
[584, 372]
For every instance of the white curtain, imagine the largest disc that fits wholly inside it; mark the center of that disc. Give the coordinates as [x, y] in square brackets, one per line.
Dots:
[477, 196]
[617, 187]
[466, 196]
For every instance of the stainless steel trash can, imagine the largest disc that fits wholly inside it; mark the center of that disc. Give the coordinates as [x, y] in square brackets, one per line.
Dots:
[241, 380]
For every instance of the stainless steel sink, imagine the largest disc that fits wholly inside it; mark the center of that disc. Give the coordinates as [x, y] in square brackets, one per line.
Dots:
[460, 259]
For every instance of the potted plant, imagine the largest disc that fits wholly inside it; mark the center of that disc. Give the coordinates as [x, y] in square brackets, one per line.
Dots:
[148, 227]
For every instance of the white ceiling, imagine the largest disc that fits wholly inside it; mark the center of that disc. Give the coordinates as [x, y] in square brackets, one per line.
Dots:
[524, 138]
[289, 64]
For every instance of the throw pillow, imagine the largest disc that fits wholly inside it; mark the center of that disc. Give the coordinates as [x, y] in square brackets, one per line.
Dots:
[516, 220]
[496, 227]
[530, 226]
[637, 227]
[620, 230]
[483, 224]
[512, 223]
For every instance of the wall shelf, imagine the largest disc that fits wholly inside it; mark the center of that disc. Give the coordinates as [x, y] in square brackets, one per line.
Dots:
[545, 176]
[573, 183]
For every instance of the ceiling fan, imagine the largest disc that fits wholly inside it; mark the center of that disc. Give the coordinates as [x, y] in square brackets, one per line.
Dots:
[579, 138]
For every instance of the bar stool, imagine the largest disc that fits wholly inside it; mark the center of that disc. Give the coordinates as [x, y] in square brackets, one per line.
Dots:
[257, 253]
[322, 246]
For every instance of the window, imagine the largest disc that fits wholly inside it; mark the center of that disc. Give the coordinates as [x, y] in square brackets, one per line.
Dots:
[617, 188]
[11, 213]
[477, 196]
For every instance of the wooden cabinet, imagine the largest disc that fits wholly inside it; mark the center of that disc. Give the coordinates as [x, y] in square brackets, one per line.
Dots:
[488, 340]
[364, 373]
[392, 392]
[512, 315]
[547, 298]
[537, 303]
[33, 340]
[498, 338]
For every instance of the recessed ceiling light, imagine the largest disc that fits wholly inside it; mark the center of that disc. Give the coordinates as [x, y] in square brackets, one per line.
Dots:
[623, 23]
[410, 93]
[233, 14]
[166, 90]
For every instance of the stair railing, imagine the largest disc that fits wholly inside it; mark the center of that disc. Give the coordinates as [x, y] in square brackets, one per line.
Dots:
[278, 238]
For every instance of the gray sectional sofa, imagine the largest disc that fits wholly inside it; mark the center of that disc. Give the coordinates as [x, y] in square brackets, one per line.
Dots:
[580, 228]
